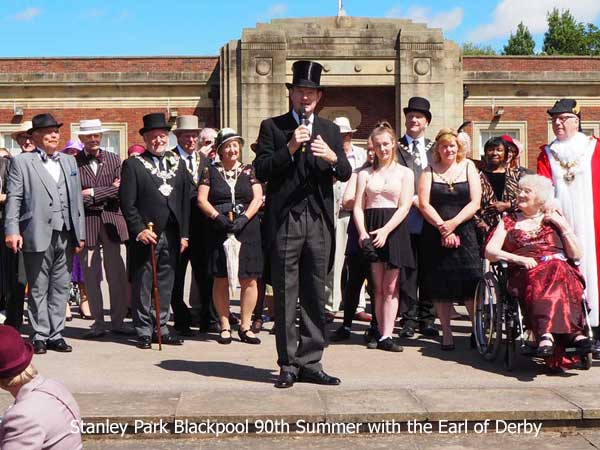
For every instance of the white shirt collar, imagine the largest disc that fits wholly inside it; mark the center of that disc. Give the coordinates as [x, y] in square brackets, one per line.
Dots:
[183, 153]
[420, 141]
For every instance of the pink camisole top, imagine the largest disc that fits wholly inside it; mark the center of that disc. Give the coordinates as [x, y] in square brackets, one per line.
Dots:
[383, 189]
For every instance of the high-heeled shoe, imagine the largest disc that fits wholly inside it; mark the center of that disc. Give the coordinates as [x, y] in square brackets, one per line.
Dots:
[243, 334]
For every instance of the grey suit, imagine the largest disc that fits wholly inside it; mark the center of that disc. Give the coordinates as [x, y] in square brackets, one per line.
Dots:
[49, 216]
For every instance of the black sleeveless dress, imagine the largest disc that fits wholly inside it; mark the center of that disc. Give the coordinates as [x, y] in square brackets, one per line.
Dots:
[449, 274]
[219, 196]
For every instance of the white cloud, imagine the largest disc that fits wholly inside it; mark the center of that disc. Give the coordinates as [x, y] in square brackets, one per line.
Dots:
[447, 20]
[276, 10]
[509, 13]
[27, 14]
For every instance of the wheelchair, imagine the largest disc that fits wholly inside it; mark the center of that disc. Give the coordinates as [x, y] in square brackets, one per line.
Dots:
[498, 325]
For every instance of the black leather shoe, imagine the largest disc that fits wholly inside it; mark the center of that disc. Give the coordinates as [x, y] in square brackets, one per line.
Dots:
[59, 345]
[243, 334]
[389, 345]
[39, 347]
[406, 331]
[285, 380]
[319, 377]
[144, 342]
[168, 339]
[429, 330]
[341, 334]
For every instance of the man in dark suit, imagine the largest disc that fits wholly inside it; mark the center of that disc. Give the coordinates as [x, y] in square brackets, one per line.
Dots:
[106, 231]
[187, 132]
[299, 154]
[154, 188]
[414, 152]
[44, 217]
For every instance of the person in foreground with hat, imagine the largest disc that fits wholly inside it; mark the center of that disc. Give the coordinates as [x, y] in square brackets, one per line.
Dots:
[572, 162]
[187, 133]
[154, 188]
[298, 154]
[230, 190]
[45, 219]
[44, 412]
[415, 152]
[106, 231]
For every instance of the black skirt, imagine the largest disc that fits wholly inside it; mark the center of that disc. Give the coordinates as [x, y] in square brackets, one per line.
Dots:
[397, 251]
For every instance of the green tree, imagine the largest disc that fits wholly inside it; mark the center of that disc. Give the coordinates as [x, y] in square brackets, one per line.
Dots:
[469, 48]
[592, 35]
[565, 36]
[521, 43]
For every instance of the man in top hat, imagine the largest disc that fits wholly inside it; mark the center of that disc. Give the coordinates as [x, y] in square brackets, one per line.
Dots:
[357, 157]
[105, 228]
[187, 132]
[45, 219]
[414, 152]
[572, 162]
[155, 188]
[23, 137]
[298, 154]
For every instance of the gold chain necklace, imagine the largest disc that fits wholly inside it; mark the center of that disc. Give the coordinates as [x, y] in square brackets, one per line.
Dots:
[567, 166]
[450, 182]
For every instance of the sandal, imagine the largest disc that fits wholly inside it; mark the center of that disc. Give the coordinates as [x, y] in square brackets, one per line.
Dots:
[224, 340]
[243, 334]
[546, 351]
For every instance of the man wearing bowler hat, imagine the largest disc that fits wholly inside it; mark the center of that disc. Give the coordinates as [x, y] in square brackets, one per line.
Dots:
[414, 152]
[155, 187]
[572, 162]
[45, 219]
[298, 154]
[105, 229]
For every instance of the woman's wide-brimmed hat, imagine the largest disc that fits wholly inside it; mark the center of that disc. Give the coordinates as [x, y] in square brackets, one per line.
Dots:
[306, 74]
[15, 352]
[225, 135]
[73, 144]
[154, 121]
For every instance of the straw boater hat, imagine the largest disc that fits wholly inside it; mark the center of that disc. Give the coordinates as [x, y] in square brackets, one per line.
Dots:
[186, 123]
[344, 125]
[90, 126]
[23, 129]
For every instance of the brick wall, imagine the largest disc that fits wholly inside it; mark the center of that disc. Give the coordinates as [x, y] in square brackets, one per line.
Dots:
[374, 104]
[537, 123]
[531, 64]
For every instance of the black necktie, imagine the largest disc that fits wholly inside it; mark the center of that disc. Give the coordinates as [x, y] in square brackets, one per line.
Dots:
[416, 154]
[161, 164]
[190, 163]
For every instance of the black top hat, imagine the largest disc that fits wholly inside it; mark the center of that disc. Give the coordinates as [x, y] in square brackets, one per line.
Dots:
[154, 121]
[565, 105]
[45, 120]
[419, 104]
[306, 74]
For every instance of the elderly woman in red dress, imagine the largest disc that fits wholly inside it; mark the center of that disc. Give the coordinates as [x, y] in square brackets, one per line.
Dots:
[536, 242]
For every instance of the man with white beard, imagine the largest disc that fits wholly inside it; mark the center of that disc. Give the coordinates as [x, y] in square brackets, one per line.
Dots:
[572, 162]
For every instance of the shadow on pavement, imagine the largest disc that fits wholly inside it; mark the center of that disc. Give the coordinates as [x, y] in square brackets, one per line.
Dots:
[220, 369]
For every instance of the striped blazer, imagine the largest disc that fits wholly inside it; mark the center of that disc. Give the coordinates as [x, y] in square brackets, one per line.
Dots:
[103, 208]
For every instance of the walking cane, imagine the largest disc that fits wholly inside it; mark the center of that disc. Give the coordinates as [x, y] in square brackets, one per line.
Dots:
[155, 294]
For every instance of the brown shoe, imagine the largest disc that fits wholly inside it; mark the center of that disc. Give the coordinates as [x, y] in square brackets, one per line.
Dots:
[362, 316]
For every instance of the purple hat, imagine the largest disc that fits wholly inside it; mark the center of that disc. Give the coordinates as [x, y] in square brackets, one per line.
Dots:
[15, 353]
[73, 144]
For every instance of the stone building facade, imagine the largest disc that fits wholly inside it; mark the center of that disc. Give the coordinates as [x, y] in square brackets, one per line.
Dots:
[372, 67]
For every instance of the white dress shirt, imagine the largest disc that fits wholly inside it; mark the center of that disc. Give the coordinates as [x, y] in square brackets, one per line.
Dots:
[51, 165]
[421, 147]
[185, 156]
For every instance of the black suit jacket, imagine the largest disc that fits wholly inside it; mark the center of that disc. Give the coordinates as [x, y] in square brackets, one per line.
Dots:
[286, 177]
[407, 159]
[142, 202]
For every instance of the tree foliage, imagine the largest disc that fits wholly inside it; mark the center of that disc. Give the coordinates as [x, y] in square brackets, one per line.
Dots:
[521, 43]
[565, 35]
[472, 49]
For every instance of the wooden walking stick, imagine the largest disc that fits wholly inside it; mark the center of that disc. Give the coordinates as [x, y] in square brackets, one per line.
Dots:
[155, 294]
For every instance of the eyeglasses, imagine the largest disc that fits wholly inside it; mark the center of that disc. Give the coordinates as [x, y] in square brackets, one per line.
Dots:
[563, 119]
[207, 142]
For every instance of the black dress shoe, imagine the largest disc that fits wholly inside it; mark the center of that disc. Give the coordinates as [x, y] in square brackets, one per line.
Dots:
[429, 330]
[59, 345]
[39, 347]
[243, 334]
[341, 334]
[144, 342]
[406, 331]
[168, 339]
[318, 377]
[285, 380]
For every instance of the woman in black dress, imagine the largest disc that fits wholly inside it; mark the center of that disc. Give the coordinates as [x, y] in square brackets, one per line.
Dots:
[229, 190]
[449, 196]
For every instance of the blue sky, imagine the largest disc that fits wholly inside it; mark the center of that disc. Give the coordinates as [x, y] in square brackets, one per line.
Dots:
[201, 27]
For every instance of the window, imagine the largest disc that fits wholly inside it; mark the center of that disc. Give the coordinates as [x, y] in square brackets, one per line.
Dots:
[7, 141]
[483, 131]
[114, 140]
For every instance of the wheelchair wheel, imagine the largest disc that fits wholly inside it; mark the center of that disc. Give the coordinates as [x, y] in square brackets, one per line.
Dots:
[487, 326]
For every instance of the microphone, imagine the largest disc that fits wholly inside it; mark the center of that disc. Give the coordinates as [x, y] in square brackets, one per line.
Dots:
[303, 121]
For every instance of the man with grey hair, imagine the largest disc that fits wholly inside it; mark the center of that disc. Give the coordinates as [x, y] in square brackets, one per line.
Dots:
[45, 219]
[207, 142]
[572, 162]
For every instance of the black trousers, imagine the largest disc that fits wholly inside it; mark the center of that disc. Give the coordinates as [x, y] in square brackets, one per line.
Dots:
[299, 263]
[15, 294]
[358, 271]
[413, 309]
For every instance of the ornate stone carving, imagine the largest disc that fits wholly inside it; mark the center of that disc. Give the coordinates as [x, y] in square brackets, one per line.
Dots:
[422, 66]
[263, 66]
